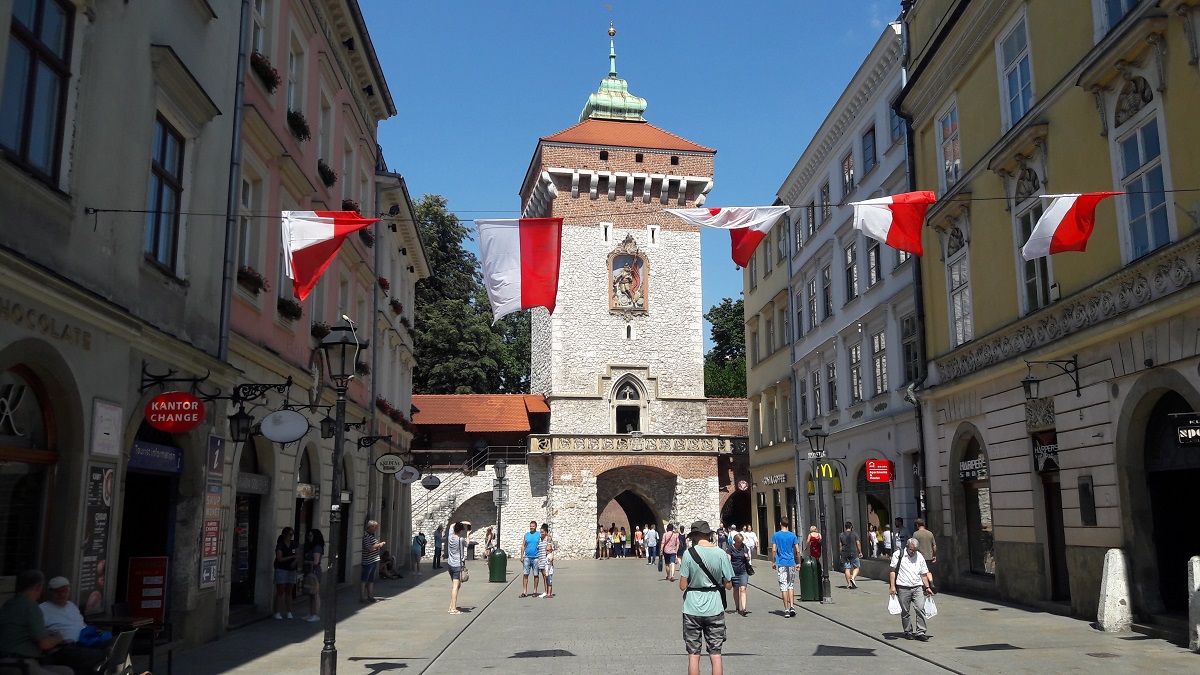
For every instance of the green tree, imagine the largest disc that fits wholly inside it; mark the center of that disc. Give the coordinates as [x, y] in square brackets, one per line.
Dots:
[725, 363]
[458, 350]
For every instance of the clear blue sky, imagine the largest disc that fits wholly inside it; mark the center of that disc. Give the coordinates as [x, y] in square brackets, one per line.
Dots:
[477, 83]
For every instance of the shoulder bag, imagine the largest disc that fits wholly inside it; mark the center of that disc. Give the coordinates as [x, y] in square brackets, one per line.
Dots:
[717, 586]
[463, 575]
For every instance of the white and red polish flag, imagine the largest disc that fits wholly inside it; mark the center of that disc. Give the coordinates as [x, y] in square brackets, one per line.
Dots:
[311, 240]
[520, 259]
[1065, 225]
[747, 225]
[895, 220]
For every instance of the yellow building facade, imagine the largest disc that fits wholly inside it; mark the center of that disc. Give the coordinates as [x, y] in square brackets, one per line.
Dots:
[1010, 101]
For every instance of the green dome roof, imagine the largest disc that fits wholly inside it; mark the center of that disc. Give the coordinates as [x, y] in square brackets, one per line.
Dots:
[613, 100]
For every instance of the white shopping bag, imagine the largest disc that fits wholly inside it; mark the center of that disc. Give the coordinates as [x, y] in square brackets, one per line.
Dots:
[930, 607]
[893, 605]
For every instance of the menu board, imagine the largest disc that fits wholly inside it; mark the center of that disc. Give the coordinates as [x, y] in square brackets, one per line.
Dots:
[97, 519]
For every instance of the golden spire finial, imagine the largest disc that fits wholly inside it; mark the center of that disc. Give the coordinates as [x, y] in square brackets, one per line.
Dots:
[612, 32]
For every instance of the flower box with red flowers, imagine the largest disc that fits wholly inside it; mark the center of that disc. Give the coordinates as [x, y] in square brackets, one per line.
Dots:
[396, 305]
[266, 73]
[251, 280]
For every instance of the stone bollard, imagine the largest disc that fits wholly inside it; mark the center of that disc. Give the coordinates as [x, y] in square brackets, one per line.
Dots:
[1194, 603]
[1115, 613]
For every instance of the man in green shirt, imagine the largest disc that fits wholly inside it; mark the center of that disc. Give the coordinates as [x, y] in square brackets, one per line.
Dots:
[703, 609]
[23, 631]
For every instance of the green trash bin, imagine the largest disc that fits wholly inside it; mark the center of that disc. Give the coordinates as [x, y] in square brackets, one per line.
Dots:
[497, 567]
[810, 579]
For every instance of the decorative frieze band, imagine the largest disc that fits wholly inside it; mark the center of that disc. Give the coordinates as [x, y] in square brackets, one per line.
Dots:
[539, 444]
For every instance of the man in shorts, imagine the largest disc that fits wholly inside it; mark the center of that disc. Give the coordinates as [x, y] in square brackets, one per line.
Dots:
[703, 609]
[651, 540]
[370, 562]
[851, 554]
[785, 549]
[529, 559]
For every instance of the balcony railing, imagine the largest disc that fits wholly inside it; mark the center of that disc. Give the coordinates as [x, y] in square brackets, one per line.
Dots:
[619, 443]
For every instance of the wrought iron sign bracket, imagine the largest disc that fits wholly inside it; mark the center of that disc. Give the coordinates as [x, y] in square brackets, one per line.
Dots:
[150, 379]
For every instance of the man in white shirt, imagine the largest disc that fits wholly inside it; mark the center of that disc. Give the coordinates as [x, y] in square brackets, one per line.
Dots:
[750, 539]
[650, 537]
[63, 617]
[908, 576]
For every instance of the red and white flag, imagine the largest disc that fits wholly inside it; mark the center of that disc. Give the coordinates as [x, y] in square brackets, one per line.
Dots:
[311, 240]
[520, 261]
[1065, 225]
[894, 220]
[747, 225]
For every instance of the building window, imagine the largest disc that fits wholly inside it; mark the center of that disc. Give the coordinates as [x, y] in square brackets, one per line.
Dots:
[799, 315]
[765, 247]
[347, 172]
[856, 384]
[803, 401]
[831, 384]
[295, 80]
[962, 329]
[827, 291]
[604, 155]
[1115, 10]
[810, 218]
[638, 158]
[868, 150]
[258, 26]
[780, 241]
[1142, 178]
[1035, 274]
[325, 130]
[783, 327]
[879, 361]
[902, 257]
[848, 174]
[816, 391]
[896, 125]
[851, 271]
[826, 207]
[874, 271]
[770, 336]
[754, 348]
[908, 345]
[674, 160]
[1016, 83]
[166, 194]
[948, 144]
[752, 270]
[33, 104]
[812, 303]
[247, 233]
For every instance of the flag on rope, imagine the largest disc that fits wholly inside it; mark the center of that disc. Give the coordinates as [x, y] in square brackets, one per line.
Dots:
[1065, 225]
[520, 259]
[311, 240]
[895, 220]
[747, 225]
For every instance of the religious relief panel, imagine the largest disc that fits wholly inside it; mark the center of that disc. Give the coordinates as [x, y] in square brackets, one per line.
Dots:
[627, 277]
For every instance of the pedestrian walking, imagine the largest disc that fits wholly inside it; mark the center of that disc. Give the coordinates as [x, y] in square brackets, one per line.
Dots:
[785, 548]
[927, 545]
[871, 541]
[670, 547]
[898, 536]
[885, 540]
[370, 562]
[601, 550]
[739, 558]
[751, 540]
[489, 543]
[314, 552]
[851, 548]
[421, 538]
[651, 540]
[437, 546]
[416, 555]
[542, 557]
[286, 562]
[529, 559]
[456, 561]
[638, 541]
[910, 581]
[704, 575]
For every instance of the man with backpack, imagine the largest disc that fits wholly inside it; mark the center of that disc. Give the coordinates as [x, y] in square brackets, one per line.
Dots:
[851, 554]
[704, 572]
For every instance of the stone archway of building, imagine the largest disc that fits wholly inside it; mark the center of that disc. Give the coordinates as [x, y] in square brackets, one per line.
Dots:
[653, 486]
[736, 510]
[480, 511]
[1149, 489]
[627, 510]
[974, 541]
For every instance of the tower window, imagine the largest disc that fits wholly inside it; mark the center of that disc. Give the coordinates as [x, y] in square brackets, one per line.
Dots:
[628, 332]
[674, 160]
[604, 155]
[638, 158]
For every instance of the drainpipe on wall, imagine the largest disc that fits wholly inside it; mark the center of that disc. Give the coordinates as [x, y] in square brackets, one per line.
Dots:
[377, 338]
[797, 526]
[918, 282]
[235, 183]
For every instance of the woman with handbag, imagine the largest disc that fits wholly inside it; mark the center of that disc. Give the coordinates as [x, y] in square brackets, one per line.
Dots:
[456, 562]
[285, 572]
[314, 551]
[740, 557]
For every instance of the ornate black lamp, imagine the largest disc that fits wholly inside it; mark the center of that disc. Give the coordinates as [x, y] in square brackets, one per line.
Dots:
[817, 436]
[1069, 366]
[240, 424]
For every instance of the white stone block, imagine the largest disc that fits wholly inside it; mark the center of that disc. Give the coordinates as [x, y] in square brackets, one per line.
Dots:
[1115, 613]
[1194, 603]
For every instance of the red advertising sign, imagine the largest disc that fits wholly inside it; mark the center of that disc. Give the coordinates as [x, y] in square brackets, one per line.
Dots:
[175, 412]
[147, 594]
[879, 471]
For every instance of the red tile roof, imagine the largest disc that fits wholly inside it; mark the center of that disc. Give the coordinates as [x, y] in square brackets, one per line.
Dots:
[478, 412]
[625, 135]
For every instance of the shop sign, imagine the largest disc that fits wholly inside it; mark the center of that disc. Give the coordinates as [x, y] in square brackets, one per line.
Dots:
[175, 412]
[389, 463]
[879, 471]
[96, 525]
[307, 491]
[155, 457]
[743, 485]
[973, 469]
[1188, 431]
[253, 483]
[36, 320]
[774, 479]
[1045, 451]
[216, 457]
[147, 594]
[210, 542]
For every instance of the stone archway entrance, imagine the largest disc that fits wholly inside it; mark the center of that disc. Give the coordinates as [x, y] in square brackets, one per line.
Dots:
[635, 494]
[1172, 474]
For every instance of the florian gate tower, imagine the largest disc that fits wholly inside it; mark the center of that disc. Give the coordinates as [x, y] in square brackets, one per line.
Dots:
[620, 362]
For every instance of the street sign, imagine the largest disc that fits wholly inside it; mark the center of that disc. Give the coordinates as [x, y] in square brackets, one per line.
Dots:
[879, 471]
[825, 471]
[499, 492]
[816, 455]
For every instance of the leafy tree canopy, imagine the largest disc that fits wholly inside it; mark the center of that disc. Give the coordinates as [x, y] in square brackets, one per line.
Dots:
[725, 363]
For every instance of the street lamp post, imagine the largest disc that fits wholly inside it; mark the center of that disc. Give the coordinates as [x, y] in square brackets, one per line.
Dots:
[341, 349]
[817, 436]
[501, 468]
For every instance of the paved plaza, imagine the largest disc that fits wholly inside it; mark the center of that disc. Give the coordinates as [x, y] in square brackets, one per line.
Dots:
[619, 616]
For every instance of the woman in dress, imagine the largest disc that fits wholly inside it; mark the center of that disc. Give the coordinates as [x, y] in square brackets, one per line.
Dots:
[286, 560]
[740, 557]
[872, 541]
[314, 551]
[812, 544]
